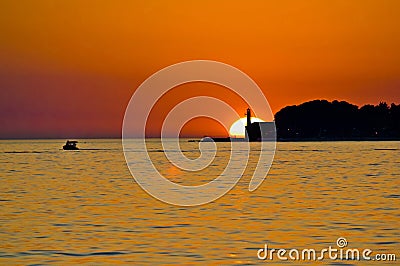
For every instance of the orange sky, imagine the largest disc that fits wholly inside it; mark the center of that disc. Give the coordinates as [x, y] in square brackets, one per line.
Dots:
[68, 68]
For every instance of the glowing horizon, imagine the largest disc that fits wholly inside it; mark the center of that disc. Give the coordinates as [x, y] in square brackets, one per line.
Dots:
[68, 69]
[238, 130]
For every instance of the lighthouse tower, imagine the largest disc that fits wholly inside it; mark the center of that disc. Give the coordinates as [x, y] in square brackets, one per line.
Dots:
[248, 114]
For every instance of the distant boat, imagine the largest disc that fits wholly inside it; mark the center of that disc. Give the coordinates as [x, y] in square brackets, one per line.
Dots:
[70, 145]
[210, 139]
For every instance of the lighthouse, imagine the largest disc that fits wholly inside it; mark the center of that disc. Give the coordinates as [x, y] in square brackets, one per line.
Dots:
[248, 114]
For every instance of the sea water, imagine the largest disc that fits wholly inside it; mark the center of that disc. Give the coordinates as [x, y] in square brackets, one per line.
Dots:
[73, 207]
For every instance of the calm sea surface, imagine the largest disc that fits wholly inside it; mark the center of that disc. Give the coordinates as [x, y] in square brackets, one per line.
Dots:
[73, 207]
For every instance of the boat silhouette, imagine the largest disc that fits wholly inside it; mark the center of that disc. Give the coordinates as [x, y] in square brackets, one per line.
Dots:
[71, 145]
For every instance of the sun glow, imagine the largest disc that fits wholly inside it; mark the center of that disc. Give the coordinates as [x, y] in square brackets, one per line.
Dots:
[237, 129]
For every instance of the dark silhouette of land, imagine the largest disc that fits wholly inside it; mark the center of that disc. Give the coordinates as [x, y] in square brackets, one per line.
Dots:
[338, 120]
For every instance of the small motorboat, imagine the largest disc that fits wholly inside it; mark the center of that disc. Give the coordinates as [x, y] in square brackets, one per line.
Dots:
[70, 145]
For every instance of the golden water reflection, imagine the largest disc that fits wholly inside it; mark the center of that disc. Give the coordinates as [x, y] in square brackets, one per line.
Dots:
[61, 207]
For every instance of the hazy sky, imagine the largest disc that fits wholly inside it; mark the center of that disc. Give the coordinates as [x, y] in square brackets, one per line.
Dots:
[69, 68]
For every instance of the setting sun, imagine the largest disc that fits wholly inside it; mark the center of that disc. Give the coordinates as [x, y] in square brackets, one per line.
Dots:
[237, 129]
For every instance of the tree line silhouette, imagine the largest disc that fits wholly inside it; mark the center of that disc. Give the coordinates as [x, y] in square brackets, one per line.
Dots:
[338, 120]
